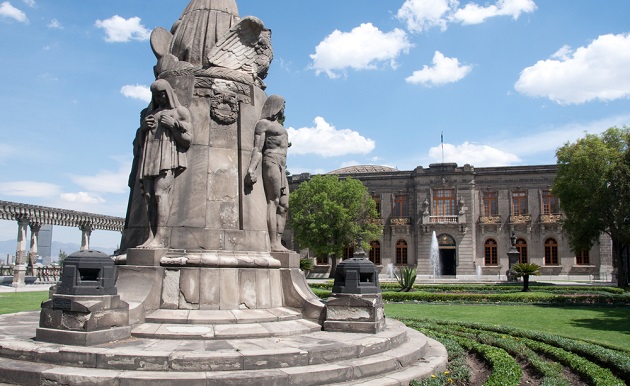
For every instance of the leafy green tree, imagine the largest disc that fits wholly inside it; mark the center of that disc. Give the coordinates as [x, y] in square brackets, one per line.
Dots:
[593, 185]
[525, 270]
[62, 256]
[329, 214]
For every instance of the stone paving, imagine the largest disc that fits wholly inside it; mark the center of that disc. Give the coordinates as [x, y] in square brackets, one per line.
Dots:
[392, 357]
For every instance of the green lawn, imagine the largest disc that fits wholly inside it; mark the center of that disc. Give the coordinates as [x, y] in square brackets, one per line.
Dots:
[21, 301]
[599, 324]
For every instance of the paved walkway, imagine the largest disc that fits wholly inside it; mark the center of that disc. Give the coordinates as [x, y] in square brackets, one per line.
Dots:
[28, 288]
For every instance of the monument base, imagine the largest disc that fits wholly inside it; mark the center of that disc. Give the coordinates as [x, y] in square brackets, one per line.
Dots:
[355, 313]
[145, 257]
[83, 320]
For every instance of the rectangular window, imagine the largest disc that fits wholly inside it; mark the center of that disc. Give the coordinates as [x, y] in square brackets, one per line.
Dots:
[401, 205]
[322, 260]
[583, 258]
[490, 204]
[401, 256]
[491, 255]
[444, 202]
[519, 203]
[377, 201]
[549, 203]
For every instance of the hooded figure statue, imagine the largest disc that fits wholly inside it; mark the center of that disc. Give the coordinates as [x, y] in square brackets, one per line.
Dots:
[164, 137]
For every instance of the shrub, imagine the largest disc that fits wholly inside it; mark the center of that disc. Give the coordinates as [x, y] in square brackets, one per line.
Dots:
[407, 278]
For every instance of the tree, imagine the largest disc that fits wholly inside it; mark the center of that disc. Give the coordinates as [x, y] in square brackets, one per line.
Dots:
[62, 256]
[593, 185]
[525, 270]
[328, 214]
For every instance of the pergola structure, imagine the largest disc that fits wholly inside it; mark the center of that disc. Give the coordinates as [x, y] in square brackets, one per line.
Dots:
[34, 216]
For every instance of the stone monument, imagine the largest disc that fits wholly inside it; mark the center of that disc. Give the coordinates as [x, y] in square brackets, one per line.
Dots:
[202, 283]
[198, 222]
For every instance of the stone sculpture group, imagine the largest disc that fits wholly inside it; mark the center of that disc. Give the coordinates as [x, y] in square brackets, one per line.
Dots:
[202, 140]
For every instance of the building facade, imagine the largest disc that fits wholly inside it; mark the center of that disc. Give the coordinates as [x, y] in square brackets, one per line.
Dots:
[473, 214]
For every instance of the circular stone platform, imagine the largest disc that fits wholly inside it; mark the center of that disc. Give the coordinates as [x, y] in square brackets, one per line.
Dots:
[393, 357]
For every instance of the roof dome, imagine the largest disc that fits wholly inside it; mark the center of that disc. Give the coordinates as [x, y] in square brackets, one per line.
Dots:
[362, 169]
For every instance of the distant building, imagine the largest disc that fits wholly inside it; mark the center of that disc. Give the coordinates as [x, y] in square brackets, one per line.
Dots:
[44, 243]
[473, 212]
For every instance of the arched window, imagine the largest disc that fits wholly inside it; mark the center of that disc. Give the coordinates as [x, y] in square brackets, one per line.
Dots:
[491, 255]
[583, 258]
[521, 247]
[375, 252]
[401, 252]
[551, 252]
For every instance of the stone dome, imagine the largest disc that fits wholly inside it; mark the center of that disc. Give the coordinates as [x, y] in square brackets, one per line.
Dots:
[363, 169]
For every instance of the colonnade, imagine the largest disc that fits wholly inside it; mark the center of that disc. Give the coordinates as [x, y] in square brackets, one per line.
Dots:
[33, 217]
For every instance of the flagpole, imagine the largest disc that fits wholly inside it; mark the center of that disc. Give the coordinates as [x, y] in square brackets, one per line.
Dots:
[442, 141]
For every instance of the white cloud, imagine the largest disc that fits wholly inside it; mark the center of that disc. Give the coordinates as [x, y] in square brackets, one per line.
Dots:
[445, 70]
[30, 3]
[422, 15]
[138, 91]
[9, 11]
[106, 181]
[28, 189]
[121, 30]
[55, 24]
[325, 140]
[600, 70]
[361, 49]
[476, 155]
[82, 198]
[473, 13]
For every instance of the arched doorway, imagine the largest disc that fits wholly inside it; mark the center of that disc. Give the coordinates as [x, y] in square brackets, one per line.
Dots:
[448, 255]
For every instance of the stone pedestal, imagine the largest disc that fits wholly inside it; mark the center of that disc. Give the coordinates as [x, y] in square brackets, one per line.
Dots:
[355, 313]
[83, 320]
[19, 275]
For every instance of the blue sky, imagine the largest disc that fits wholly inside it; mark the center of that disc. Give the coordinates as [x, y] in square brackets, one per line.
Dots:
[366, 82]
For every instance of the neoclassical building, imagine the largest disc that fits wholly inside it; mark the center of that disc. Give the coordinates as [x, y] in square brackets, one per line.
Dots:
[474, 213]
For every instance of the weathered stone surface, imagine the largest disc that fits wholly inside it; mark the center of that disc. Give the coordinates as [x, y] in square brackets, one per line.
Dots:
[229, 291]
[189, 285]
[210, 289]
[145, 257]
[247, 289]
[170, 289]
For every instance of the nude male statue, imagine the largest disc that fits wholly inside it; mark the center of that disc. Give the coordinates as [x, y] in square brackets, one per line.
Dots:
[164, 137]
[271, 142]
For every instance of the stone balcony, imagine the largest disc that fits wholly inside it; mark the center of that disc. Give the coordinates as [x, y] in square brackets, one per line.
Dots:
[517, 221]
[490, 223]
[400, 225]
[443, 219]
[430, 223]
[552, 221]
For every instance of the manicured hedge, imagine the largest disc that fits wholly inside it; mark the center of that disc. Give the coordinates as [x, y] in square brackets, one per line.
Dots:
[602, 366]
[512, 297]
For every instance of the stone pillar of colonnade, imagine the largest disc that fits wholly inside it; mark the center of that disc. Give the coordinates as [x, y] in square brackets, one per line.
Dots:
[19, 270]
[86, 233]
[32, 253]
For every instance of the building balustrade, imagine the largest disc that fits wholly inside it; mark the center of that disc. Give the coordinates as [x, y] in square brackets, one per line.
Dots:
[397, 221]
[443, 219]
[490, 220]
[551, 218]
[44, 274]
[520, 219]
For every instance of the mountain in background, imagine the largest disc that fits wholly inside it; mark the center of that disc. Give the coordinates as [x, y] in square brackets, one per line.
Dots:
[9, 246]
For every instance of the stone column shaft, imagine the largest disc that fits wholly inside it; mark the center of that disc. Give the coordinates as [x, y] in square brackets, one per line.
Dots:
[19, 270]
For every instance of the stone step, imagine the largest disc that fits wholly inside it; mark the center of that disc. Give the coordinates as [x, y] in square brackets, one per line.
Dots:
[223, 316]
[224, 331]
[416, 358]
